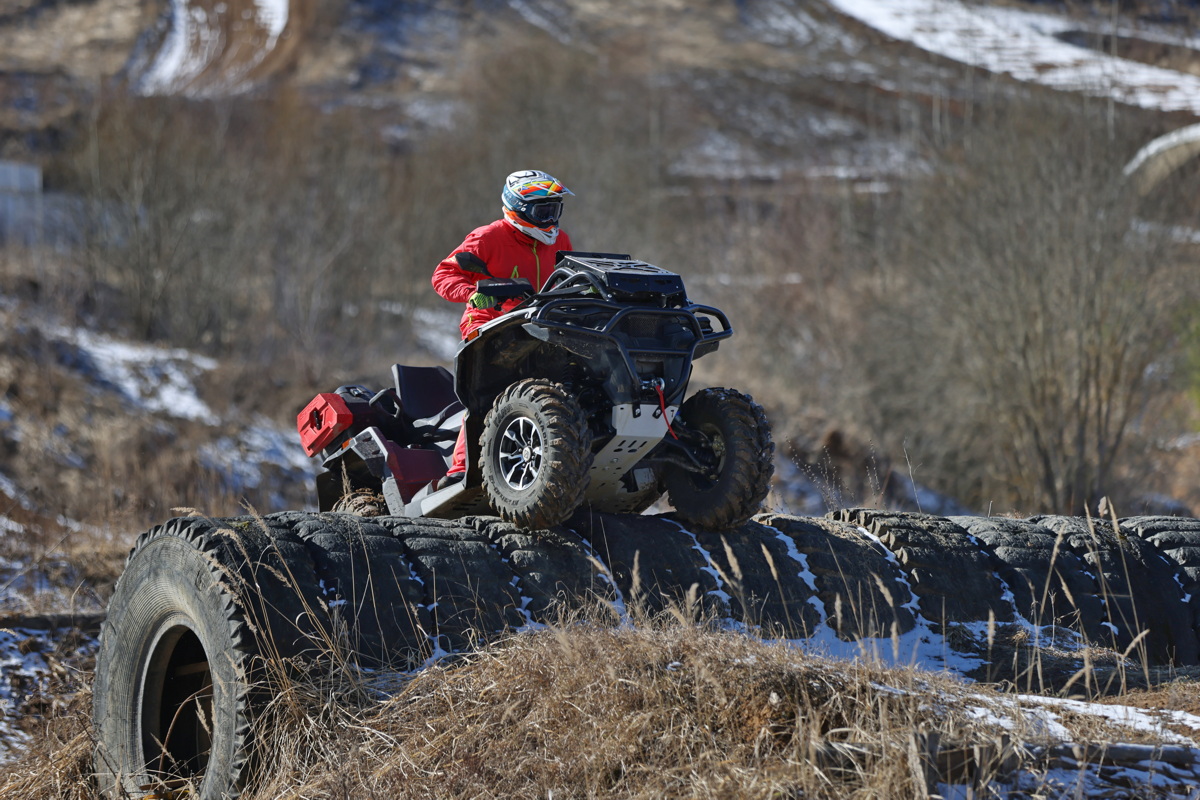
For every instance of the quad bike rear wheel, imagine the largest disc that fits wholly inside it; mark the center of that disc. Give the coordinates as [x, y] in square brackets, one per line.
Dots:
[737, 438]
[535, 454]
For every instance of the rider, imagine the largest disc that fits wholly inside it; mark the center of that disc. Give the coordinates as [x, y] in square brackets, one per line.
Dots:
[524, 243]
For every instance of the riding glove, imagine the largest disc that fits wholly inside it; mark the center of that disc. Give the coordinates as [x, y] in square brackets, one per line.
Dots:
[480, 300]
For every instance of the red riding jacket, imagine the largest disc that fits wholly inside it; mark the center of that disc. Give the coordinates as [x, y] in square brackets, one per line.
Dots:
[508, 253]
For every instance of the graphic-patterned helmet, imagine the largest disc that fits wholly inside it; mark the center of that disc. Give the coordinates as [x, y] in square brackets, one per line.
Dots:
[533, 203]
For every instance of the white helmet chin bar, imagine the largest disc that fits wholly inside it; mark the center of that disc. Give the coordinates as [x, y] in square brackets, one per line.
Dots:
[544, 236]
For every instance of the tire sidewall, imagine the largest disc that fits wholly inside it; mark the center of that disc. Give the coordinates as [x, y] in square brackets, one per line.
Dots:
[168, 590]
[566, 455]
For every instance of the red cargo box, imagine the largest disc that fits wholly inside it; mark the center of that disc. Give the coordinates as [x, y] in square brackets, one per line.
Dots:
[322, 421]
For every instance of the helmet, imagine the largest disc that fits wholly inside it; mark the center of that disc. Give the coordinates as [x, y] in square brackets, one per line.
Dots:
[533, 203]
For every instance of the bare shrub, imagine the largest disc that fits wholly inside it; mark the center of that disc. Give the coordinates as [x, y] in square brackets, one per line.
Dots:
[157, 215]
[241, 226]
[774, 258]
[1028, 323]
[588, 117]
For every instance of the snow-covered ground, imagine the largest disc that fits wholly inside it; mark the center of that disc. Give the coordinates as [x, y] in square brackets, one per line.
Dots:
[153, 379]
[1027, 45]
[243, 458]
[198, 35]
[163, 381]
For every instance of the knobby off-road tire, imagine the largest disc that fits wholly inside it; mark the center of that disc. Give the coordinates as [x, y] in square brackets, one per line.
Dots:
[179, 653]
[948, 571]
[1138, 587]
[536, 451]
[740, 437]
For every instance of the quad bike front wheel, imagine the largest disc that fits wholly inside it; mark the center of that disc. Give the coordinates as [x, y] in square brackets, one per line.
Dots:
[535, 454]
[734, 436]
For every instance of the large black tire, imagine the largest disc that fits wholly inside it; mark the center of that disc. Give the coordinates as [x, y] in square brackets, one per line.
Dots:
[1179, 540]
[171, 697]
[1049, 583]
[862, 589]
[947, 569]
[1139, 587]
[536, 451]
[739, 435]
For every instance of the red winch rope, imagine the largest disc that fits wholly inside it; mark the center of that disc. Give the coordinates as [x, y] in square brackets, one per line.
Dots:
[662, 404]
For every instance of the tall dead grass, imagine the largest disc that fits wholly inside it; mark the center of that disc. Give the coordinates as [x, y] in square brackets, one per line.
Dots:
[665, 709]
[586, 711]
[58, 761]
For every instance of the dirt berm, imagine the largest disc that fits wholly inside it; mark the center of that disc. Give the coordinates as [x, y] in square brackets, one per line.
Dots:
[208, 607]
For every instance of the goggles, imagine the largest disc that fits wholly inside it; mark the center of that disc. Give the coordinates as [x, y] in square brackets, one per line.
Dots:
[544, 212]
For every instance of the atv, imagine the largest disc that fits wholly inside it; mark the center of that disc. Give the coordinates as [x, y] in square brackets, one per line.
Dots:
[574, 396]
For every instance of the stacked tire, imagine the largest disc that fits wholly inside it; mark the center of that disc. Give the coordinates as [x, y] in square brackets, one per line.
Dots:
[211, 617]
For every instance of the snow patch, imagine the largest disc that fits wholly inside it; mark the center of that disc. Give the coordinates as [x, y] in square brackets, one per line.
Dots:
[782, 23]
[153, 379]
[1178, 138]
[272, 16]
[1025, 45]
[1156, 722]
[546, 16]
[9, 487]
[196, 38]
[437, 331]
[191, 44]
[8, 423]
[719, 155]
[242, 458]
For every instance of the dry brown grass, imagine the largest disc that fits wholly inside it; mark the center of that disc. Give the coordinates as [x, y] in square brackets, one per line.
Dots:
[664, 709]
[58, 761]
[661, 710]
[675, 712]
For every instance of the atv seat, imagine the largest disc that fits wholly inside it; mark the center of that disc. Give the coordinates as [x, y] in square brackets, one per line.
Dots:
[427, 396]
